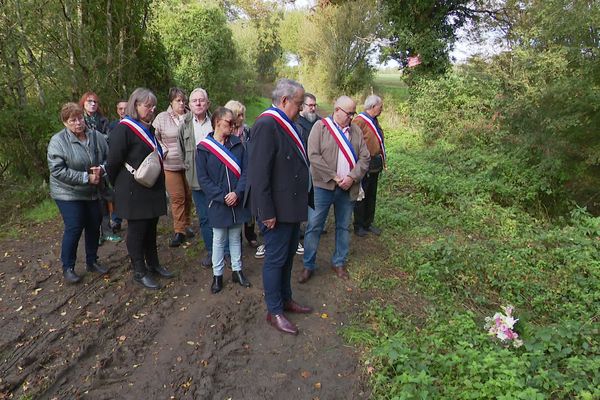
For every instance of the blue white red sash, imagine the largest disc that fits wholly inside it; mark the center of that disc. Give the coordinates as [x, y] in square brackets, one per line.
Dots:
[288, 127]
[223, 154]
[143, 133]
[342, 141]
[378, 134]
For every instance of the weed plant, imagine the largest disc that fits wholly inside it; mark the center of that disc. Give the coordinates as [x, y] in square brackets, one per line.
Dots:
[473, 230]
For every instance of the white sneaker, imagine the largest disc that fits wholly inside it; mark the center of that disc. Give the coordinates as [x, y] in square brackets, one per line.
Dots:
[260, 251]
[300, 249]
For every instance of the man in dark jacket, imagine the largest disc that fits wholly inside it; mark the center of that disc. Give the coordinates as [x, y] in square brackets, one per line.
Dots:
[308, 116]
[278, 189]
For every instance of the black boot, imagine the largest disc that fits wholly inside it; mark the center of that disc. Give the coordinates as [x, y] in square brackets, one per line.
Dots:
[70, 275]
[162, 271]
[145, 280]
[217, 284]
[238, 277]
[177, 240]
[96, 267]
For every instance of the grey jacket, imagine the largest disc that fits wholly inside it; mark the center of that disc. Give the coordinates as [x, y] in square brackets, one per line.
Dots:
[69, 161]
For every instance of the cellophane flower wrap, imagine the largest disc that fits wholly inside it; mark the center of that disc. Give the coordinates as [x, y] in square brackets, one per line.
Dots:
[502, 325]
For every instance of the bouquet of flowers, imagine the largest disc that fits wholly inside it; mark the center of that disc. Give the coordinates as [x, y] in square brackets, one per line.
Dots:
[501, 326]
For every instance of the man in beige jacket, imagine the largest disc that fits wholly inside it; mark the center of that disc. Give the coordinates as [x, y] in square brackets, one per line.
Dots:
[339, 158]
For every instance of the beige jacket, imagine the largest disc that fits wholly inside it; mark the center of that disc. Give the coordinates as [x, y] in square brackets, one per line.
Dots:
[323, 154]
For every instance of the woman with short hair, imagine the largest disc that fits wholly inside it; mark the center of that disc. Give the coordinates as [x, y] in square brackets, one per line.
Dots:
[167, 125]
[74, 155]
[221, 167]
[241, 130]
[131, 142]
[94, 119]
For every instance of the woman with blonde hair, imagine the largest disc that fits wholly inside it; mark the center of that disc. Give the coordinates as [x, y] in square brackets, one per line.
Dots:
[241, 130]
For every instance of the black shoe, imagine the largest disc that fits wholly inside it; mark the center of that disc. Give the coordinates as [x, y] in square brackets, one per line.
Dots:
[189, 233]
[70, 276]
[362, 232]
[177, 240]
[206, 262]
[96, 267]
[238, 277]
[217, 284]
[374, 230]
[162, 271]
[145, 280]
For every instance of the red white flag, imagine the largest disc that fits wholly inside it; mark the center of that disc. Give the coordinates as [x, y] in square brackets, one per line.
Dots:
[414, 61]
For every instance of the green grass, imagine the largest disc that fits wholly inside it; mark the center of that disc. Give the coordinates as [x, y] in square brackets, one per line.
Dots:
[44, 211]
[464, 238]
[254, 107]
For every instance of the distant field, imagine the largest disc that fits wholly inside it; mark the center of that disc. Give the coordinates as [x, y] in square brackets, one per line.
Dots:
[392, 85]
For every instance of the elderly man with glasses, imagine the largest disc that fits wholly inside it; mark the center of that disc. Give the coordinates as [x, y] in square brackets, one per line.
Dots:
[339, 158]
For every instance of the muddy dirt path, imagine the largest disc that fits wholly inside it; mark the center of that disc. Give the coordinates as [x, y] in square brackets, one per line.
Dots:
[107, 338]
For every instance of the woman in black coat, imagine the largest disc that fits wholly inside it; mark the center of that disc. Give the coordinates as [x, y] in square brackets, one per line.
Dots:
[131, 141]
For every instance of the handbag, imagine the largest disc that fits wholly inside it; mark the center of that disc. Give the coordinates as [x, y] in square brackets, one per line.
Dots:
[148, 171]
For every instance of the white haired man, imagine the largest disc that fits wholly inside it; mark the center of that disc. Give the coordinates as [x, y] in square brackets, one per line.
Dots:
[364, 211]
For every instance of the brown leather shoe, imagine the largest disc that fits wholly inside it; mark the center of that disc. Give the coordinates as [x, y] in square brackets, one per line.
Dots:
[341, 272]
[305, 275]
[292, 306]
[282, 324]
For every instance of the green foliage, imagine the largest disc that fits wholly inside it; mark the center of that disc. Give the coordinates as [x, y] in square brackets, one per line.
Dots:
[254, 107]
[335, 48]
[467, 205]
[44, 211]
[200, 47]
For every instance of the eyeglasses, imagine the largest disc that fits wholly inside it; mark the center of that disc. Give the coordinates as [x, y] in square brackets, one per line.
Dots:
[350, 114]
[91, 101]
[310, 105]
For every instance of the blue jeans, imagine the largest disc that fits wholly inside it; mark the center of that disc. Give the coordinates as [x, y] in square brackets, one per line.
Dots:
[281, 244]
[79, 215]
[221, 236]
[342, 207]
[201, 204]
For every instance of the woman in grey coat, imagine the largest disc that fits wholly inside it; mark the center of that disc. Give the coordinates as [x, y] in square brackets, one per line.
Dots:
[74, 156]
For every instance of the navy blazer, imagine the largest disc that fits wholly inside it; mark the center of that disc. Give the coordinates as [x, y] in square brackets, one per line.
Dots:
[216, 180]
[278, 177]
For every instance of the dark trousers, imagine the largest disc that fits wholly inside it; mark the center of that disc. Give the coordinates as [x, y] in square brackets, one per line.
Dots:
[281, 244]
[141, 243]
[79, 216]
[249, 231]
[364, 210]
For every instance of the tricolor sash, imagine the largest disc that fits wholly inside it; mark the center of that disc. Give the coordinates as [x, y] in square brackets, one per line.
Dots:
[288, 127]
[223, 154]
[378, 134]
[143, 133]
[342, 141]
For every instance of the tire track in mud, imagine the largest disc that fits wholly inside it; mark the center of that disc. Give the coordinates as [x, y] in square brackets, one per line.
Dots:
[107, 338]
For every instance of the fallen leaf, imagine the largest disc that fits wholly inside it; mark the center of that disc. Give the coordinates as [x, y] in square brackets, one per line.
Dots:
[324, 316]
[370, 370]
[19, 309]
[317, 385]
[122, 338]
[191, 343]
[305, 374]
[63, 313]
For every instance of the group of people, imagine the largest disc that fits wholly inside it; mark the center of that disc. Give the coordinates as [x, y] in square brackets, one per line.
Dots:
[289, 168]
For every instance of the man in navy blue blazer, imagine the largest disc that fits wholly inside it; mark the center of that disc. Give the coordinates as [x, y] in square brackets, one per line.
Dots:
[278, 189]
